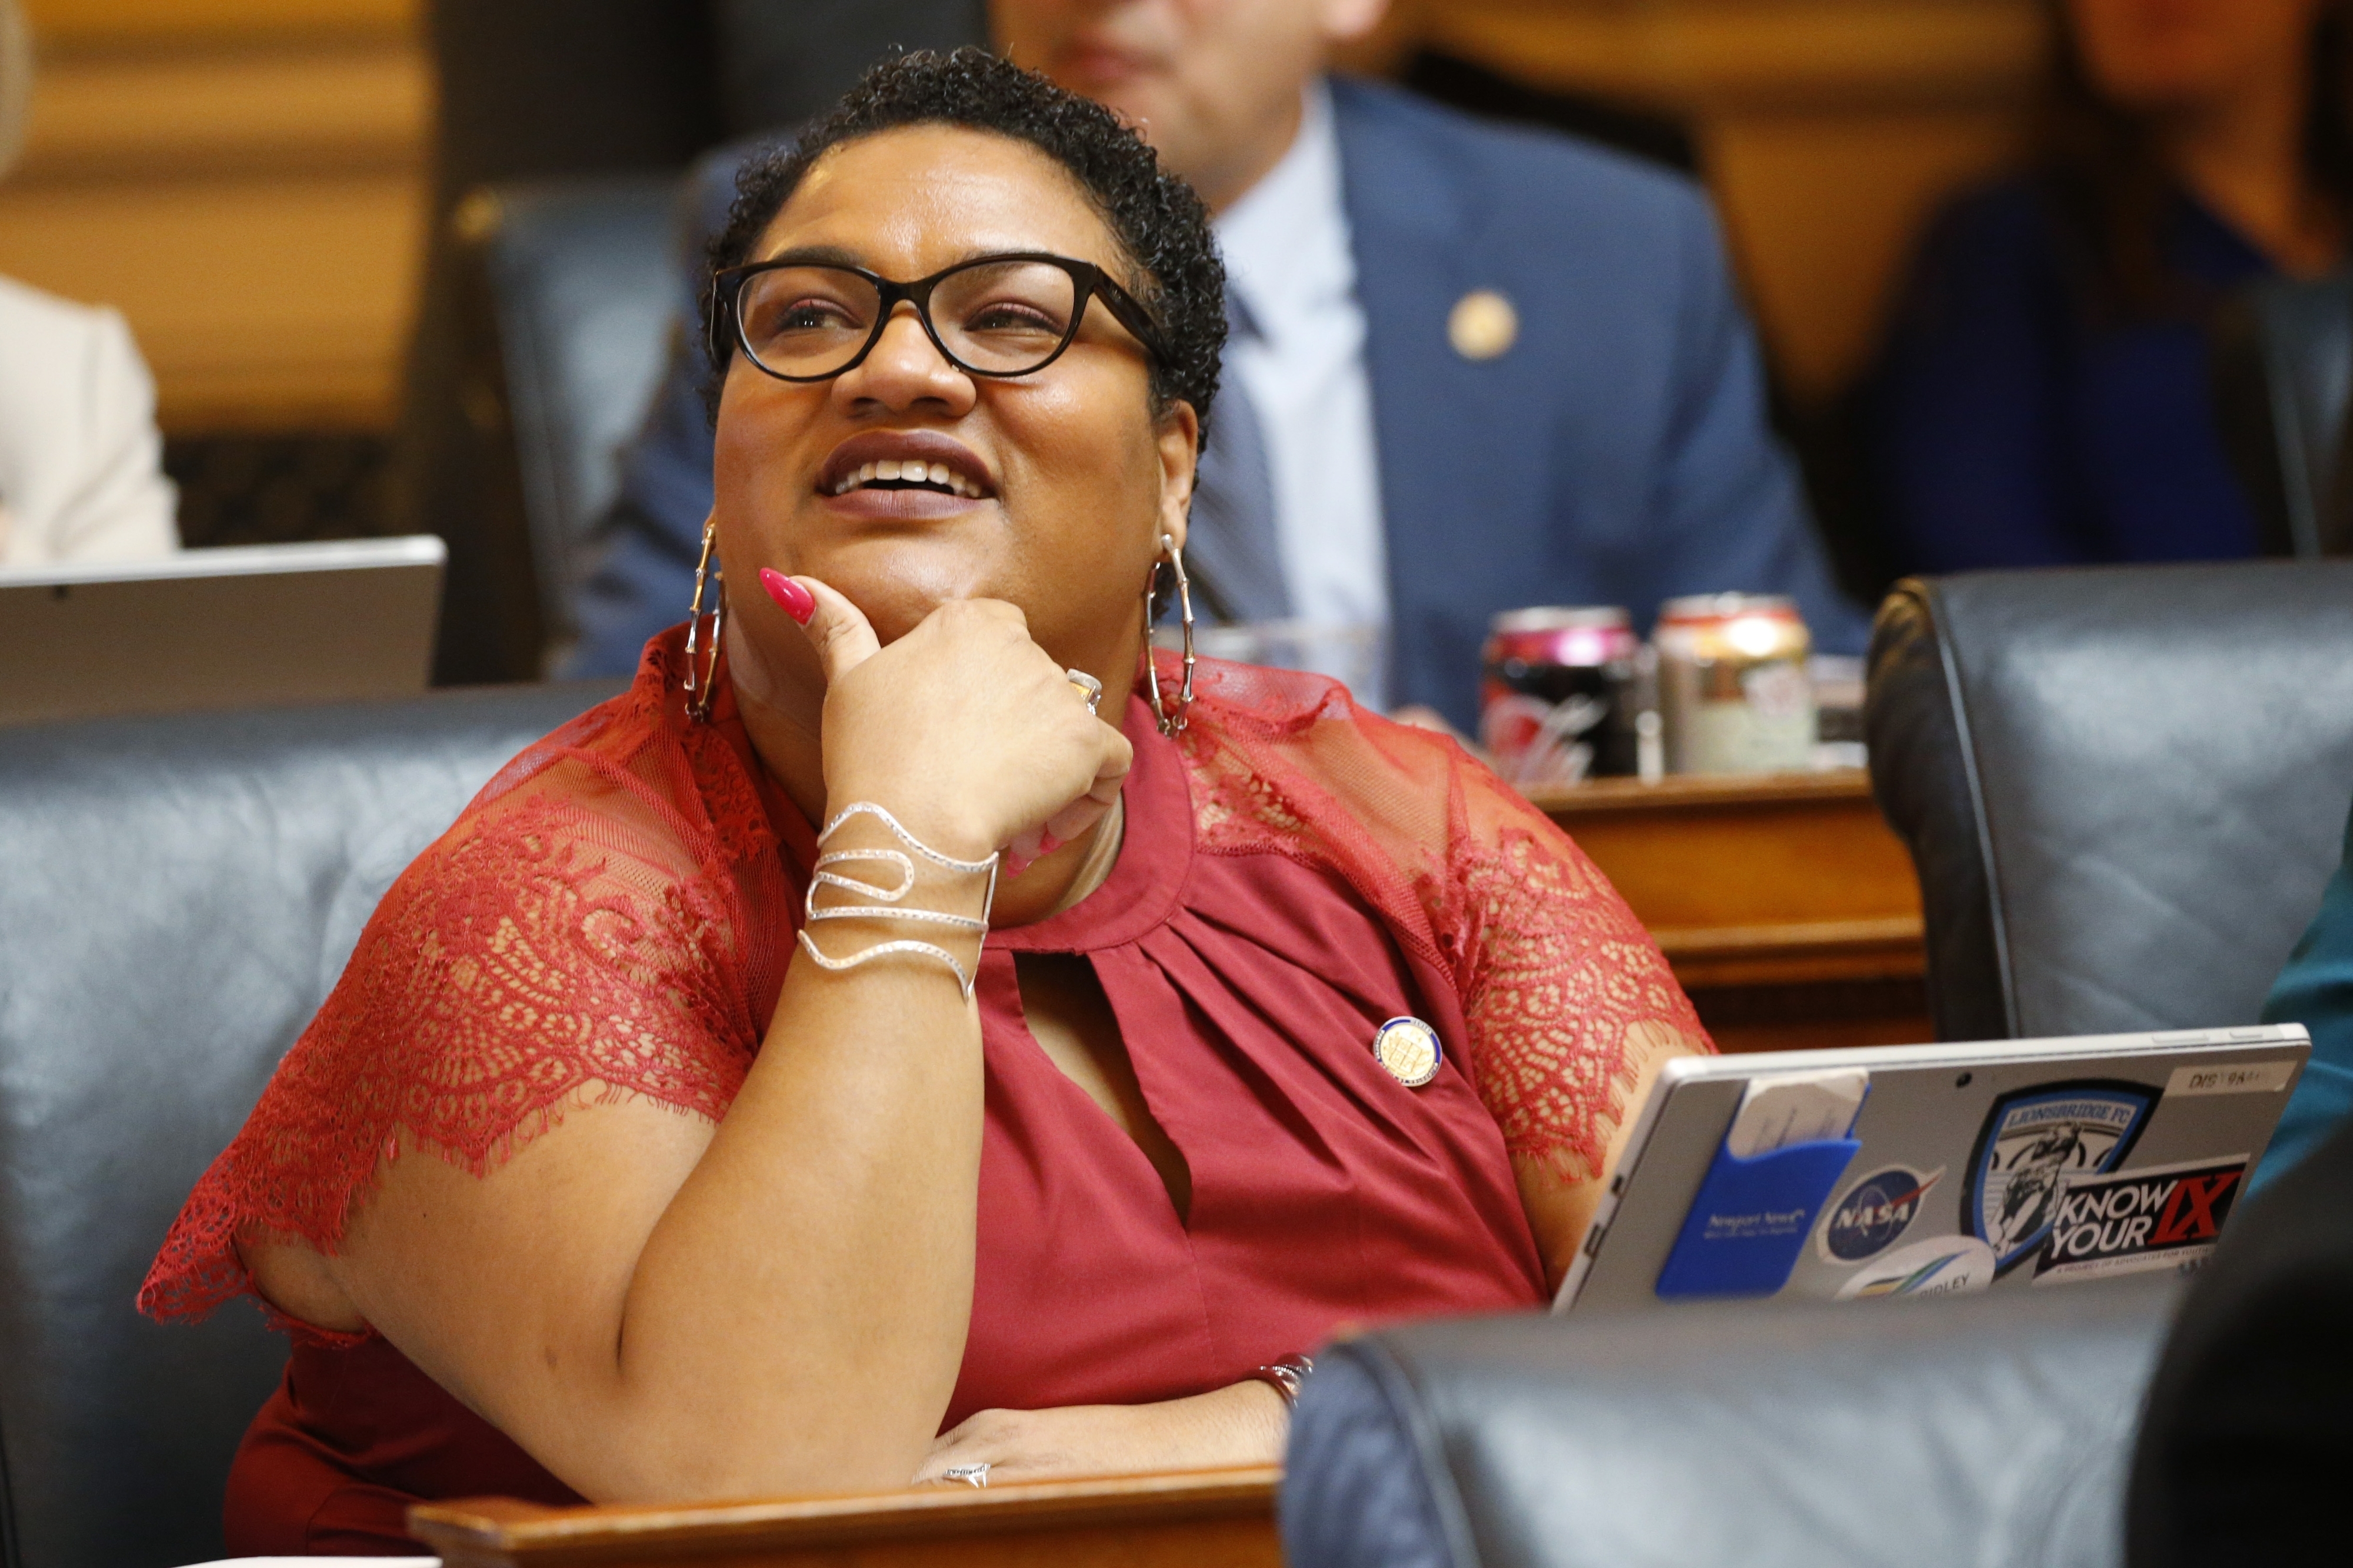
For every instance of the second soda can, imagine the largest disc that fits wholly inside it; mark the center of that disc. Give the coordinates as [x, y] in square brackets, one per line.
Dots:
[1732, 687]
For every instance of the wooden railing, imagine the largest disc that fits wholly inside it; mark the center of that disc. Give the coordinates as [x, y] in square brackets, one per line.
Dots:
[1783, 898]
[1203, 1519]
[245, 181]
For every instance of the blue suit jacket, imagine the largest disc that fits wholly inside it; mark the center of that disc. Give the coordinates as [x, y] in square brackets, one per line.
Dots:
[1616, 453]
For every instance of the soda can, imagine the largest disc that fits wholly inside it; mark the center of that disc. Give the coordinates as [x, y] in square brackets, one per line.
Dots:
[1733, 689]
[1559, 694]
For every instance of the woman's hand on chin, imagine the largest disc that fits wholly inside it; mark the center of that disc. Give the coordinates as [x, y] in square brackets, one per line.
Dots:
[1243, 1423]
[965, 729]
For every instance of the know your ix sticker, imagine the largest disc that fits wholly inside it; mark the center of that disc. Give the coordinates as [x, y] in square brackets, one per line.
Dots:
[2166, 1216]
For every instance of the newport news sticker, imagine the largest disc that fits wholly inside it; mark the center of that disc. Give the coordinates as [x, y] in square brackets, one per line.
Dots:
[1941, 1266]
[1874, 1214]
[2032, 1140]
[2164, 1217]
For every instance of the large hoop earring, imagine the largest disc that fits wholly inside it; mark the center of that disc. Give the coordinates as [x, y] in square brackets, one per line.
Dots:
[1170, 722]
[698, 695]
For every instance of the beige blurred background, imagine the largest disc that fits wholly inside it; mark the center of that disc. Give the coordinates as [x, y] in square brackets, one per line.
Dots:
[245, 179]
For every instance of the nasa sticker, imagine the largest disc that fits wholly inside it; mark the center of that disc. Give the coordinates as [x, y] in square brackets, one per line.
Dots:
[1944, 1266]
[1409, 1048]
[2034, 1140]
[1874, 1214]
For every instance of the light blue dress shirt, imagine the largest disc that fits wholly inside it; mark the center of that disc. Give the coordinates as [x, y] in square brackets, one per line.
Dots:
[1288, 257]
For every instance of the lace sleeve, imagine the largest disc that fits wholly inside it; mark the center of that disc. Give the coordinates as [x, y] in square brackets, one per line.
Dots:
[1565, 994]
[541, 947]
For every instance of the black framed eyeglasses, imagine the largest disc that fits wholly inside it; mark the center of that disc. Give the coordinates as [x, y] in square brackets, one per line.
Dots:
[1011, 314]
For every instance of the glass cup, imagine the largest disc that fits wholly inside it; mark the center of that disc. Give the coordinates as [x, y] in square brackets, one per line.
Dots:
[1351, 655]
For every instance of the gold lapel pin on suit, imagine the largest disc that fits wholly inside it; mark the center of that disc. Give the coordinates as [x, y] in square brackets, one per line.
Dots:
[1482, 324]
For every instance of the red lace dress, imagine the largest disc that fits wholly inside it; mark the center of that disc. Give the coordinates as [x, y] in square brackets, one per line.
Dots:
[615, 908]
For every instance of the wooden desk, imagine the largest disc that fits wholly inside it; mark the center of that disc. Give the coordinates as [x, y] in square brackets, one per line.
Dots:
[1788, 908]
[1202, 1519]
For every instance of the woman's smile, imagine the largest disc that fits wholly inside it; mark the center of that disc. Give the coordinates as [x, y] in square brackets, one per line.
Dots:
[904, 476]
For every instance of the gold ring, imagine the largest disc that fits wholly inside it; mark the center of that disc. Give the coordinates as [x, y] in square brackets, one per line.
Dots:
[1088, 686]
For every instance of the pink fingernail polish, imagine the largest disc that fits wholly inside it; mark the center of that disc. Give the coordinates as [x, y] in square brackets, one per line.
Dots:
[1047, 845]
[1015, 864]
[791, 597]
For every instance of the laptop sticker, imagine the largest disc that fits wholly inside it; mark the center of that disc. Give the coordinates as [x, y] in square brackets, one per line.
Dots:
[1944, 1266]
[2232, 1078]
[2032, 1140]
[1875, 1213]
[2165, 1217]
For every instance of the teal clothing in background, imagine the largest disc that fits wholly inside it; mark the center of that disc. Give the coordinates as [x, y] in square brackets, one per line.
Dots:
[2316, 990]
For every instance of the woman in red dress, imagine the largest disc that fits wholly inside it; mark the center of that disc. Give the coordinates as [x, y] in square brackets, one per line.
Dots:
[851, 1056]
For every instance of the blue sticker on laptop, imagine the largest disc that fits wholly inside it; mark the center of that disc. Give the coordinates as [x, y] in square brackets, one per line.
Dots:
[1874, 1213]
[2031, 1140]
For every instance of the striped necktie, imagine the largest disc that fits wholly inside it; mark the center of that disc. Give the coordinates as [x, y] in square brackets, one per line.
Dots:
[1231, 551]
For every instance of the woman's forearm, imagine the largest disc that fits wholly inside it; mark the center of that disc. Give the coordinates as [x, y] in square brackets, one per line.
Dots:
[798, 1317]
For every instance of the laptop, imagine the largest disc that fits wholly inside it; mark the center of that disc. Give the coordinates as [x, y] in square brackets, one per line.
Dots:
[230, 627]
[1921, 1170]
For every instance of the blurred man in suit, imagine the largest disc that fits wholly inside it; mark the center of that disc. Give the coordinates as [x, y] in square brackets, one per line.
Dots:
[1471, 368]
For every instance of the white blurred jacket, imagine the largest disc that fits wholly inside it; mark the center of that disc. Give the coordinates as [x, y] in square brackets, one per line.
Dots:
[80, 462]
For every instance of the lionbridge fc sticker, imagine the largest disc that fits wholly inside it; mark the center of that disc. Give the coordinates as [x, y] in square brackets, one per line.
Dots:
[1872, 1215]
[2033, 1140]
[2166, 1216]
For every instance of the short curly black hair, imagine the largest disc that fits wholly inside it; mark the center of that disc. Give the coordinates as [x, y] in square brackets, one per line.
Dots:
[1158, 221]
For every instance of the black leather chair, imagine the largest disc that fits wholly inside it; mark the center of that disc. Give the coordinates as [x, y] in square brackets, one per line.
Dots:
[1945, 1433]
[2122, 787]
[2282, 359]
[176, 895]
[568, 292]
